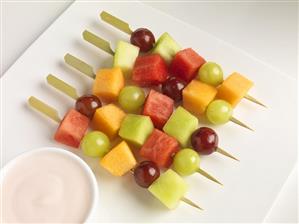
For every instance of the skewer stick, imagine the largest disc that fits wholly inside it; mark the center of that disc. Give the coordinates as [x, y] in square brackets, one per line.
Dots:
[79, 65]
[62, 86]
[191, 203]
[236, 121]
[97, 41]
[205, 174]
[116, 22]
[254, 100]
[44, 108]
[225, 153]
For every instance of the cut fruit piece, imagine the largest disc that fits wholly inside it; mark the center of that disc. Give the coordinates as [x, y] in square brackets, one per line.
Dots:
[72, 128]
[234, 88]
[181, 125]
[186, 63]
[125, 56]
[149, 70]
[108, 83]
[158, 107]
[167, 47]
[119, 160]
[108, 120]
[197, 96]
[136, 128]
[169, 188]
[160, 148]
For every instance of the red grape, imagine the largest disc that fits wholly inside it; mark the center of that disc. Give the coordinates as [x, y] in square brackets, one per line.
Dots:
[143, 38]
[87, 104]
[173, 87]
[204, 140]
[146, 173]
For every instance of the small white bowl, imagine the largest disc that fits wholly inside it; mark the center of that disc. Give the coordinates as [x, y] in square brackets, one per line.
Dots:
[74, 157]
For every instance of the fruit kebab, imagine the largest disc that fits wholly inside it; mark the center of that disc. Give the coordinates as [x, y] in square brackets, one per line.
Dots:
[167, 47]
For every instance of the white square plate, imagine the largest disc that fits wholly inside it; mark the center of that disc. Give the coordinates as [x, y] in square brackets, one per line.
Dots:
[250, 186]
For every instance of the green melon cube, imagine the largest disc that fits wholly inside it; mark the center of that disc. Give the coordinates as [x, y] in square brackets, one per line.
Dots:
[169, 188]
[167, 47]
[125, 56]
[136, 128]
[181, 125]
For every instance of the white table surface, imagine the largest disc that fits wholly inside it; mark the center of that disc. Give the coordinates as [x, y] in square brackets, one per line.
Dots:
[267, 31]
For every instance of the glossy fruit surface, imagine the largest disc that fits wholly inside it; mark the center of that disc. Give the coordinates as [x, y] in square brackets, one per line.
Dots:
[95, 144]
[173, 88]
[210, 73]
[146, 173]
[87, 105]
[219, 112]
[143, 38]
[131, 98]
[186, 162]
[204, 140]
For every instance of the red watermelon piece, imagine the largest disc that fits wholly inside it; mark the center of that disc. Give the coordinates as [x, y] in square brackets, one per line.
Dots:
[149, 70]
[72, 128]
[186, 63]
[160, 148]
[158, 107]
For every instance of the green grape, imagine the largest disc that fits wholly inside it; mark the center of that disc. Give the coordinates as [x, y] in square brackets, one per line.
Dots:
[219, 112]
[186, 162]
[131, 98]
[210, 73]
[95, 144]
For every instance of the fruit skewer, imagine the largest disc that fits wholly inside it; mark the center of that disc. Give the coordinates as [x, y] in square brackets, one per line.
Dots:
[71, 92]
[143, 38]
[103, 44]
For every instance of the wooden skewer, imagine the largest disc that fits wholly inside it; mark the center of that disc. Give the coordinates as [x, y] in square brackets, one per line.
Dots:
[205, 174]
[97, 41]
[116, 22]
[225, 153]
[254, 100]
[44, 108]
[236, 121]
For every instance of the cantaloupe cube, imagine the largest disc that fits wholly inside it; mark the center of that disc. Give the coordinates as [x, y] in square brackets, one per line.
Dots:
[108, 119]
[234, 88]
[119, 160]
[197, 96]
[108, 83]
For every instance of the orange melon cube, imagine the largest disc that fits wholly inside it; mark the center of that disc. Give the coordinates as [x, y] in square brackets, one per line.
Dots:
[108, 119]
[197, 96]
[119, 160]
[234, 88]
[108, 83]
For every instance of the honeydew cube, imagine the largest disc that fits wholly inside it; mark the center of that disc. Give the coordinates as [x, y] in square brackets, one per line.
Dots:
[108, 119]
[197, 96]
[119, 160]
[125, 56]
[136, 128]
[169, 188]
[234, 88]
[181, 125]
[108, 83]
[167, 47]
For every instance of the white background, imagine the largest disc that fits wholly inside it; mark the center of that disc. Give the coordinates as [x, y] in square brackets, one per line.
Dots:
[267, 31]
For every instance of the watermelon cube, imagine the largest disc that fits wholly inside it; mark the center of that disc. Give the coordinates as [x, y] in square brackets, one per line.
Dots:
[169, 188]
[160, 148]
[186, 63]
[149, 70]
[167, 47]
[136, 128]
[158, 107]
[72, 128]
[181, 125]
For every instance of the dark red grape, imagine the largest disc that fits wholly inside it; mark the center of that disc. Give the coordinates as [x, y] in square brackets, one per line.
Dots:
[204, 140]
[146, 173]
[143, 38]
[173, 87]
[87, 104]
